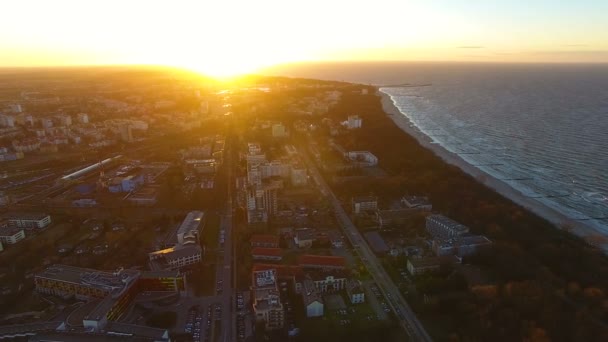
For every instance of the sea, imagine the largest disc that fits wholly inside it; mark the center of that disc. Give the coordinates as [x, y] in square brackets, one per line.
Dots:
[541, 128]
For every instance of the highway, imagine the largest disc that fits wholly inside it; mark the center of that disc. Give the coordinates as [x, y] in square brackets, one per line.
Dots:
[406, 317]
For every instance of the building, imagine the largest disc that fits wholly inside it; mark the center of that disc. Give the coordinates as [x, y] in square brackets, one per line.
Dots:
[46, 122]
[362, 158]
[126, 184]
[83, 118]
[267, 254]
[304, 237]
[82, 283]
[355, 292]
[29, 220]
[417, 202]
[176, 258]
[441, 227]
[328, 280]
[7, 120]
[387, 218]
[364, 203]
[313, 302]
[264, 241]
[275, 168]
[299, 176]
[145, 197]
[191, 228]
[187, 251]
[111, 293]
[353, 122]
[279, 131]
[461, 245]
[267, 305]
[428, 265]
[64, 120]
[11, 235]
[322, 262]
[126, 132]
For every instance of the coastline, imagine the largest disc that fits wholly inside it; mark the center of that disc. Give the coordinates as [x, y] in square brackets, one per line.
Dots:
[553, 216]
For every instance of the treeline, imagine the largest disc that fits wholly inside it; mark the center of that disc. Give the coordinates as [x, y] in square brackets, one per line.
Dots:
[548, 284]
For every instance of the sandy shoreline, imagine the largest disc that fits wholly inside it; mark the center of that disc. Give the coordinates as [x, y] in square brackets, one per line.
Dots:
[540, 209]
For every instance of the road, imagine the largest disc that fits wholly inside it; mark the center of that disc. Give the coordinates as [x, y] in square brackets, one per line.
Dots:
[407, 319]
[228, 295]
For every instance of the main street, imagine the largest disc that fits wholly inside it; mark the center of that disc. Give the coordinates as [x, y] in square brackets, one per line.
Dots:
[406, 317]
[228, 281]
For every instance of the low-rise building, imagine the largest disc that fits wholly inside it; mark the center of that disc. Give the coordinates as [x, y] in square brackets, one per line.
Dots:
[11, 235]
[313, 302]
[29, 220]
[355, 292]
[175, 258]
[441, 227]
[328, 281]
[364, 203]
[267, 305]
[417, 202]
[429, 265]
[326, 262]
[264, 240]
[304, 237]
[269, 254]
[460, 246]
[362, 158]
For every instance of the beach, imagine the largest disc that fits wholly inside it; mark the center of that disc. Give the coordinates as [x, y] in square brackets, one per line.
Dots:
[555, 217]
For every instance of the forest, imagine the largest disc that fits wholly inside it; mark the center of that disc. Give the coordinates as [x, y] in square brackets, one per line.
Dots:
[546, 283]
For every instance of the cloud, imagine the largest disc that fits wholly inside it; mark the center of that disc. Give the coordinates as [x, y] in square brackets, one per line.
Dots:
[575, 45]
[471, 47]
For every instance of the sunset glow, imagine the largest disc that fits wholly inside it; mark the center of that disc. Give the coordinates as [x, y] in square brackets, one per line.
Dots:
[231, 37]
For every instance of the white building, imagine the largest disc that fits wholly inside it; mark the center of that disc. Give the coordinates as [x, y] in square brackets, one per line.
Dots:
[355, 292]
[441, 227]
[299, 177]
[7, 120]
[362, 158]
[46, 122]
[64, 120]
[312, 300]
[353, 122]
[279, 131]
[11, 235]
[29, 220]
[176, 257]
[364, 203]
[83, 118]
[190, 228]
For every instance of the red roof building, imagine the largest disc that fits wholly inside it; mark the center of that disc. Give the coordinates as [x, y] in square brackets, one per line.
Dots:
[322, 262]
[263, 253]
[264, 240]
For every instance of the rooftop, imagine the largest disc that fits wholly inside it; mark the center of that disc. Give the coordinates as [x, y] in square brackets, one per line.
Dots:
[105, 281]
[359, 199]
[322, 260]
[26, 216]
[276, 252]
[191, 222]
[415, 201]
[447, 222]
[9, 231]
[305, 234]
[264, 238]
[468, 240]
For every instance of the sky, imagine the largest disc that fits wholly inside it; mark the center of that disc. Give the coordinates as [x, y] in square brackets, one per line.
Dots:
[234, 36]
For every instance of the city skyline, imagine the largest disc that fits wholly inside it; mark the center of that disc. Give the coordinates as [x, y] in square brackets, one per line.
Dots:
[231, 37]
